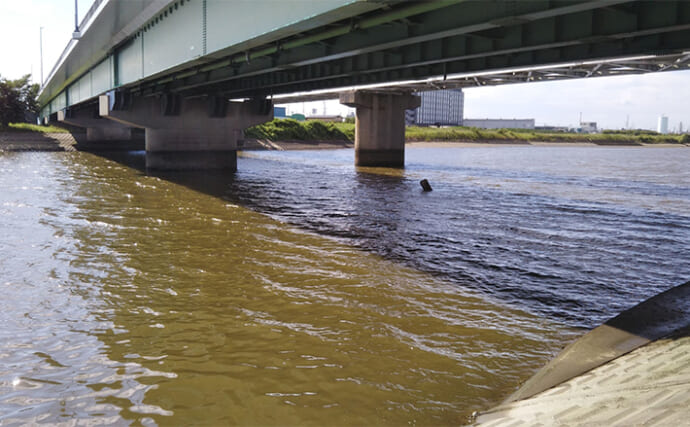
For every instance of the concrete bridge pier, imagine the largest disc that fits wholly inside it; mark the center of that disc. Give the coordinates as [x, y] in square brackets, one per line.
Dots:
[97, 129]
[380, 126]
[187, 133]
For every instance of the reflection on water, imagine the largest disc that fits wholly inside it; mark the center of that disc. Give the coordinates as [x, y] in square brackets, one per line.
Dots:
[358, 299]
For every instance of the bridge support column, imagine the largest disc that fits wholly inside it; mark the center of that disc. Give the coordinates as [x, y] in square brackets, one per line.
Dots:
[380, 126]
[188, 134]
[97, 129]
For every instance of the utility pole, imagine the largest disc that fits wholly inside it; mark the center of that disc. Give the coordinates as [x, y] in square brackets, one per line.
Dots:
[76, 35]
[41, 47]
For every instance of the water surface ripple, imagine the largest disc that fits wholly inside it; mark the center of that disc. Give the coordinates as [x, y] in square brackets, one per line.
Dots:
[303, 291]
[574, 233]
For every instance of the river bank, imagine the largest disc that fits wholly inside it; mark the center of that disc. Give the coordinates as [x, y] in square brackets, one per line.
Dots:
[36, 141]
[27, 140]
[266, 145]
[449, 144]
[31, 141]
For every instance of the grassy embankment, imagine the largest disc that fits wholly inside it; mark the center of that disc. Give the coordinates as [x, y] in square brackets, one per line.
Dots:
[292, 130]
[286, 130]
[28, 127]
[525, 135]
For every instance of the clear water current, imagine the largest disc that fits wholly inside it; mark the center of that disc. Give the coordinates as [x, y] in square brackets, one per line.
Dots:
[304, 291]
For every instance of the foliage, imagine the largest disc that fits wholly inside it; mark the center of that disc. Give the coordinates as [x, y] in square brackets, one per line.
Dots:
[523, 135]
[634, 132]
[16, 98]
[347, 129]
[286, 130]
[30, 127]
[289, 130]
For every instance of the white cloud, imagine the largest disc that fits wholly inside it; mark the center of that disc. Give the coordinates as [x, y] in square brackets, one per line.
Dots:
[606, 100]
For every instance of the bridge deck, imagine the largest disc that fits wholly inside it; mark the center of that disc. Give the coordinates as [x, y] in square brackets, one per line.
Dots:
[263, 48]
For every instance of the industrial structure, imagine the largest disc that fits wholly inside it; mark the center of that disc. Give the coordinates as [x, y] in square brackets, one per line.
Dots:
[442, 107]
[588, 127]
[662, 125]
[172, 67]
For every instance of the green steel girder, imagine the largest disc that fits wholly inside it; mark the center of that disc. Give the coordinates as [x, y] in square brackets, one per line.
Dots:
[465, 37]
[312, 81]
[467, 17]
[405, 40]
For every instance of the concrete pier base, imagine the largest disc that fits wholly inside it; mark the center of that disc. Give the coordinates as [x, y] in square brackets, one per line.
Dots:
[108, 133]
[380, 126]
[191, 160]
[188, 134]
[192, 148]
[97, 128]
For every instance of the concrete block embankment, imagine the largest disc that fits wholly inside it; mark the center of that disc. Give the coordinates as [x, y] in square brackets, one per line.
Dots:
[35, 141]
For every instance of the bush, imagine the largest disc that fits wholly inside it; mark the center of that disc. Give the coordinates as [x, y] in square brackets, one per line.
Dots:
[289, 129]
[323, 131]
[16, 98]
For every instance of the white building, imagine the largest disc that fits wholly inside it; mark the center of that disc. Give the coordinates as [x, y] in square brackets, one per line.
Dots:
[662, 125]
[588, 127]
[445, 108]
[439, 108]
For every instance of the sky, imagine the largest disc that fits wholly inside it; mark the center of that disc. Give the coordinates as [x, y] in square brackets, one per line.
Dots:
[610, 101]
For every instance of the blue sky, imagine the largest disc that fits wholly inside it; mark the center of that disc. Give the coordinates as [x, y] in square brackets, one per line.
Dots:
[609, 101]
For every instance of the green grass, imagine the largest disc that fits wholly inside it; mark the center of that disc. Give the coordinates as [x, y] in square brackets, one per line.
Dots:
[289, 129]
[28, 127]
[475, 134]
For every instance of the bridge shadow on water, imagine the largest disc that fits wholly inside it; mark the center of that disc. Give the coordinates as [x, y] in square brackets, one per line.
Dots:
[474, 237]
[664, 315]
[372, 208]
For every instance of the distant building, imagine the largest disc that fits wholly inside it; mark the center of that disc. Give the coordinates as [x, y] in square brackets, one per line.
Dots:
[552, 128]
[588, 127]
[662, 125]
[438, 108]
[279, 112]
[499, 123]
[327, 118]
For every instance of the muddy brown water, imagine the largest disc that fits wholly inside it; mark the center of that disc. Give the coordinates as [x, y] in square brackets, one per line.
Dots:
[304, 291]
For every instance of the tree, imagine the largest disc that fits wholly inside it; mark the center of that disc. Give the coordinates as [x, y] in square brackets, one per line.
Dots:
[16, 98]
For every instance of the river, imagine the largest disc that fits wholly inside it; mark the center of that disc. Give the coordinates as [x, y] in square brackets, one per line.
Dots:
[304, 291]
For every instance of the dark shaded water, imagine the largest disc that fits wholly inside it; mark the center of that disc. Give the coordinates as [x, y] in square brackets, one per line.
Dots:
[573, 233]
[358, 299]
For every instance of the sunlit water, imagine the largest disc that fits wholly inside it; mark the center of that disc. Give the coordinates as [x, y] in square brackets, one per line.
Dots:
[304, 291]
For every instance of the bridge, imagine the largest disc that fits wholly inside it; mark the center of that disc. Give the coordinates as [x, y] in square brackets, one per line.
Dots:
[195, 73]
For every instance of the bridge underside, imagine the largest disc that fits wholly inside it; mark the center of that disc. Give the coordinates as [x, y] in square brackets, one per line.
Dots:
[454, 42]
[408, 43]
